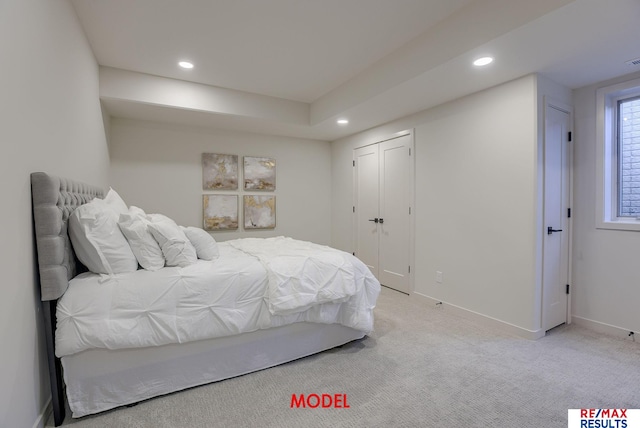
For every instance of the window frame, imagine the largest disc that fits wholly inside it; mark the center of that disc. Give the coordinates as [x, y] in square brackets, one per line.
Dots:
[608, 166]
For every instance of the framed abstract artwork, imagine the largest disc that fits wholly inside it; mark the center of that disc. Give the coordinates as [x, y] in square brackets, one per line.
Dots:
[259, 212]
[219, 172]
[220, 212]
[259, 173]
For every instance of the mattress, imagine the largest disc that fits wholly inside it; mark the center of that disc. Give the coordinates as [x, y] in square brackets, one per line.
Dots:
[248, 288]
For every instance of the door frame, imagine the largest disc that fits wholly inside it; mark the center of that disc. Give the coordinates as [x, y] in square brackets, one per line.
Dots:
[412, 203]
[551, 103]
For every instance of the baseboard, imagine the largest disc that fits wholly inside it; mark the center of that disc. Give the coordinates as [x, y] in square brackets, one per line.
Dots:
[601, 327]
[44, 415]
[483, 319]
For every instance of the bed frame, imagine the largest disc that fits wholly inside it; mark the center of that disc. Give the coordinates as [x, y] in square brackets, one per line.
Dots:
[54, 199]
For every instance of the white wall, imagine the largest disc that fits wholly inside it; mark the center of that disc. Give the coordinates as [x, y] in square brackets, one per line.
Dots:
[158, 167]
[50, 120]
[476, 196]
[606, 272]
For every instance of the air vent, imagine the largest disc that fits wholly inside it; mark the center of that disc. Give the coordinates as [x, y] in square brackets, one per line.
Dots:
[634, 61]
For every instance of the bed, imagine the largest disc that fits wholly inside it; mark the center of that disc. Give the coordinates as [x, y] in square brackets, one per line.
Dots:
[115, 339]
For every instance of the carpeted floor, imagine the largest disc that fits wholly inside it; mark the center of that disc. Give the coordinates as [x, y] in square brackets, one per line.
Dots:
[422, 367]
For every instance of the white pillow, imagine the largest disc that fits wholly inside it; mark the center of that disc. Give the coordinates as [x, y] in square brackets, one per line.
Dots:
[133, 225]
[97, 239]
[157, 218]
[206, 247]
[115, 203]
[175, 245]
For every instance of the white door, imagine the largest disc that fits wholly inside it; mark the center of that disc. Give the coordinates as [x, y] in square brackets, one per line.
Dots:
[366, 190]
[382, 210]
[555, 269]
[394, 214]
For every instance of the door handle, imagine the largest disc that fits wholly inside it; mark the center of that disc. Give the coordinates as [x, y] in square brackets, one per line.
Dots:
[550, 230]
[375, 219]
[381, 220]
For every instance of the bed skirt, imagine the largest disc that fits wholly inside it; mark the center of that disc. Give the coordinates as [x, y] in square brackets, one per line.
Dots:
[101, 379]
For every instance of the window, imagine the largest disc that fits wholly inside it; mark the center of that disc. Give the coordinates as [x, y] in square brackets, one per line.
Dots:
[628, 141]
[618, 138]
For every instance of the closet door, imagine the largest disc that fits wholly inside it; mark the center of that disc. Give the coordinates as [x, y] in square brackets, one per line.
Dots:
[366, 183]
[382, 210]
[393, 247]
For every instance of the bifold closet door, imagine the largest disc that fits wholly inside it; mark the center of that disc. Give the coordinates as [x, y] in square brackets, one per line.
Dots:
[382, 210]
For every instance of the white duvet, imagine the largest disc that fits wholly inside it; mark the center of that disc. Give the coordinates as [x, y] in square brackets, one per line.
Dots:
[254, 284]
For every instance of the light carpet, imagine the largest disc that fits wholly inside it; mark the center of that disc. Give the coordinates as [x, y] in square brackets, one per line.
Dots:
[422, 367]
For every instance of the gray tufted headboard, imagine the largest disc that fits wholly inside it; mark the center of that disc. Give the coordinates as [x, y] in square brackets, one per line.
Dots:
[54, 199]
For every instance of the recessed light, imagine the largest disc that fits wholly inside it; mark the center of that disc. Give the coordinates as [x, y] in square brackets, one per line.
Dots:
[186, 64]
[342, 121]
[485, 60]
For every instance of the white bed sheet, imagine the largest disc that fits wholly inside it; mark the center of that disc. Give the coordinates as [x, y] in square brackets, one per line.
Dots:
[102, 379]
[205, 300]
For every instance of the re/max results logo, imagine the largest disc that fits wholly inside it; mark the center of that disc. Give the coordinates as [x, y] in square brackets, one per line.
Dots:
[604, 418]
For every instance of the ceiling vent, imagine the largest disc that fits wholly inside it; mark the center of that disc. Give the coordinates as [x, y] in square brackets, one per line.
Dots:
[634, 61]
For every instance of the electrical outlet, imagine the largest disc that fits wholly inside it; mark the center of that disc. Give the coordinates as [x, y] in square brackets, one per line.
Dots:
[439, 277]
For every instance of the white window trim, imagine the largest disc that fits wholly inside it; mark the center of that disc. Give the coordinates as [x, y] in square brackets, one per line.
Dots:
[606, 157]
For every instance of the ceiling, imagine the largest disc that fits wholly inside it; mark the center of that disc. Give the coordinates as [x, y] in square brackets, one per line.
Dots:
[292, 67]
